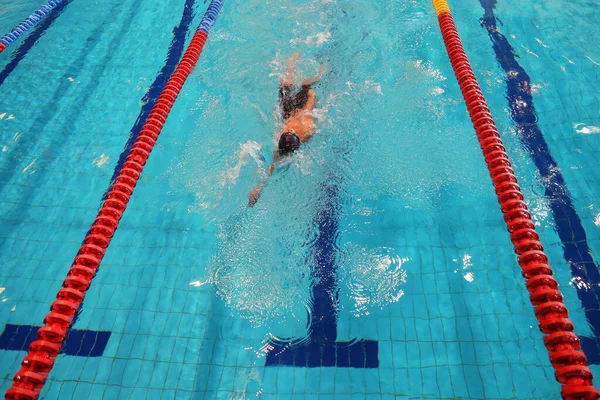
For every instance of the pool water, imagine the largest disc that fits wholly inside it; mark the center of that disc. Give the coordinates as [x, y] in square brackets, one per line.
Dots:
[383, 234]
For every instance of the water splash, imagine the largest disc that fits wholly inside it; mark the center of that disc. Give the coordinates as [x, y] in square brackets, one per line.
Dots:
[584, 129]
[373, 276]
[313, 40]
[250, 150]
[261, 276]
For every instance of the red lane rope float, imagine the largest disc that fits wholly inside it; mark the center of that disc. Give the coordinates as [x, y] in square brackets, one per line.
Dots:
[566, 356]
[35, 367]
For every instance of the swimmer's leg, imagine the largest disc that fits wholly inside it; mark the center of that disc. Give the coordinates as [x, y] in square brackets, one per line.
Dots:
[290, 73]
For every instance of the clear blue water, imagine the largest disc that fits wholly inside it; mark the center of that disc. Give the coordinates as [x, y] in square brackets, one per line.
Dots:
[195, 286]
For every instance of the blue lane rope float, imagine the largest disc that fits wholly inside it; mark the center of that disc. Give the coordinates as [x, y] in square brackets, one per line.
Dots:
[27, 44]
[29, 23]
[209, 18]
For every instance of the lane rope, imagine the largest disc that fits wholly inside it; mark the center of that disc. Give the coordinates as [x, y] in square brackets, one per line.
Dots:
[577, 251]
[563, 345]
[30, 41]
[42, 353]
[28, 23]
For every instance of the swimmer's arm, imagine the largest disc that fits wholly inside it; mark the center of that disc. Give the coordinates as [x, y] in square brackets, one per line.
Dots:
[316, 78]
[255, 194]
[275, 161]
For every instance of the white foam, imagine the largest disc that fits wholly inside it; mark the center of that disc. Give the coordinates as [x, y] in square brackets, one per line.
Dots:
[469, 277]
[592, 60]
[247, 151]
[540, 42]
[101, 160]
[530, 52]
[200, 283]
[467, 261]
[367, 86]
[436, 91]
[425, 68]
[584, 129]
[29, 166]
[315, 40]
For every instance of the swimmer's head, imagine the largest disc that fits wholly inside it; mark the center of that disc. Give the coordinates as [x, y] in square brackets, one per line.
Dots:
[288, 143]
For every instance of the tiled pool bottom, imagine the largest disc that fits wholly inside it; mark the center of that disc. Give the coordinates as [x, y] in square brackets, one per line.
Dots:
[170, 339]
[463, 328]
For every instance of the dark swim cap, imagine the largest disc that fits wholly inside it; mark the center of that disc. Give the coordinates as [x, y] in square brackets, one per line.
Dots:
[288, 143]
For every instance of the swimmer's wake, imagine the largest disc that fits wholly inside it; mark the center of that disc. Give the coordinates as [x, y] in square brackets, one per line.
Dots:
[249, 150]
[323, 349]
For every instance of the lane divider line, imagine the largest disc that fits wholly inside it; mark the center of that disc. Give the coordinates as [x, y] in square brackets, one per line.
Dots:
[40, 359]
[28, 23]
[176, 49]
[30, 41]
[563, 345]
[79, 342]
[568, 224]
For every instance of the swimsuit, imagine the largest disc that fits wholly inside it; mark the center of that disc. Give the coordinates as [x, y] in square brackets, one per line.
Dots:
[290, 101]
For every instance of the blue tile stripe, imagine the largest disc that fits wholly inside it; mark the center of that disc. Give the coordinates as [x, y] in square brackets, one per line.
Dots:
[82, 343]
[176, 49]
[569, 227]
[30, 22]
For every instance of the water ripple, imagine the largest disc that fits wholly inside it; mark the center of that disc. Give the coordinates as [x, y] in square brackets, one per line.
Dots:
[374, 277]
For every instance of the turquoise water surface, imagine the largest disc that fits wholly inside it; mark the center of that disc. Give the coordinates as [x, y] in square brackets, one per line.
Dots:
[389, 207]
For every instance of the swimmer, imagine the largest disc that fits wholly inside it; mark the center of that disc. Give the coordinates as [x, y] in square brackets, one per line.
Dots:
[298, 122]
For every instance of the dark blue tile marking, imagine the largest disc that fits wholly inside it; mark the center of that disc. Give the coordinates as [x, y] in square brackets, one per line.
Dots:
[359, 354]
[86, 343]
[82, 343]
[174, 54]
[570, 230]
[17, 337]
[30, 41]
[322, 350]
[591, 349]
